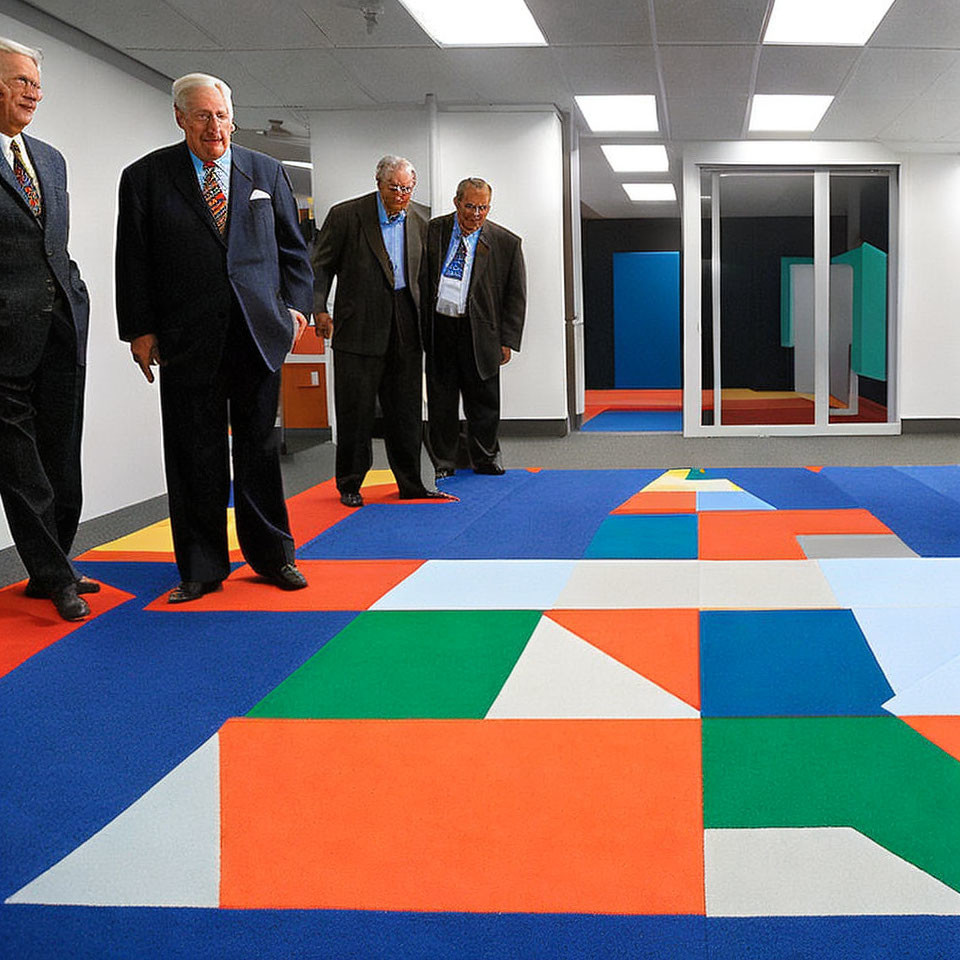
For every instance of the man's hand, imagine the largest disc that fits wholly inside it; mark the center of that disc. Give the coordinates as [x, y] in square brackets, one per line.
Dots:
[324, 324]
[146, 354]
[504, 355]
[301, 322]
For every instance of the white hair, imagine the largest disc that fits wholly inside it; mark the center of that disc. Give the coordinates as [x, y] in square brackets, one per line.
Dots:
[11, 46]
[390, 163]
[183, 86]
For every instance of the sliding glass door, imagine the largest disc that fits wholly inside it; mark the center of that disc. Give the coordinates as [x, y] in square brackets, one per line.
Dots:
[795, 316]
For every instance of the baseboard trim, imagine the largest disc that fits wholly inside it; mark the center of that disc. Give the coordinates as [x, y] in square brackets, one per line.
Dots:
[931, 425]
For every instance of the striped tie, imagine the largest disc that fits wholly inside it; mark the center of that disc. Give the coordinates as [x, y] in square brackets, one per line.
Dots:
[27, 184]
[212, 193]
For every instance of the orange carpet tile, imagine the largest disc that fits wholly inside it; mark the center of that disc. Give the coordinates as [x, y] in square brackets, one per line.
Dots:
[484, 816]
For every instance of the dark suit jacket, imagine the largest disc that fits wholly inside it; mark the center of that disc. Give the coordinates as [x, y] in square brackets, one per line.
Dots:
[350, 247]
[179, 279]
[497, 300]
[35, 265]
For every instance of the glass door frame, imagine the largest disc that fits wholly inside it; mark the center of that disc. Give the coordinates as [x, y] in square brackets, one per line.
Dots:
[693, 296]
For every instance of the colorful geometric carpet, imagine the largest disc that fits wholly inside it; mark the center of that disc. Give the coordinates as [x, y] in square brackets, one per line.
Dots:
[650, 714]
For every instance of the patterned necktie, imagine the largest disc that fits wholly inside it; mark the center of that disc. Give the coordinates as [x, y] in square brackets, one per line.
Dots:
[455, 267]
[212, 193]
[26, 182]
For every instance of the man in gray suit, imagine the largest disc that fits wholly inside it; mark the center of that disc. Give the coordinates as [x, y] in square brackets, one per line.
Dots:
[475, 299]
[373, 245]
[43, 337]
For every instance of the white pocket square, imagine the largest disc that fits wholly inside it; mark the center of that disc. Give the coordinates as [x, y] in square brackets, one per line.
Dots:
[259, 195]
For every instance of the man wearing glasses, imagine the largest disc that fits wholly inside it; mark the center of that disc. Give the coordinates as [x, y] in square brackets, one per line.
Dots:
[475, 303]
[43, 337]
[213, 281]
[373, 245]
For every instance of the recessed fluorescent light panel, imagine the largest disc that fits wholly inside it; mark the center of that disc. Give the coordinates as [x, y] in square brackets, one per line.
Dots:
[650, 192]
[636, 158]
[620, 113]
[779, 113]
[498, 23]
[849, 22]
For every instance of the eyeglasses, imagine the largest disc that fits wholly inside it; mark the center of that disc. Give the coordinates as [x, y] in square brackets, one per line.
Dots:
[475, 207]
[397, 188]
[203, 118]
[24, 83]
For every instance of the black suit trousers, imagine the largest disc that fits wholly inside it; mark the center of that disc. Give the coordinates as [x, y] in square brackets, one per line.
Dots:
[452, 373]
[41, 423]
[243, 393]
[397, 379]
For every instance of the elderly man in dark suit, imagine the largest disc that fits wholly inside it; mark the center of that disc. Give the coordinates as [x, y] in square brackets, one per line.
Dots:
[373, 245]
[43, 338]
[213, 281]
[474, 305]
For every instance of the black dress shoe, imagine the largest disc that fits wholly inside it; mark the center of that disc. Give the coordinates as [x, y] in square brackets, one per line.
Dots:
[351, 499]
[489, 468]
[444, 473]
[84, 585]
[439, 495]
[426, 494]
[193, 590]
[68, 604]
[288, 577]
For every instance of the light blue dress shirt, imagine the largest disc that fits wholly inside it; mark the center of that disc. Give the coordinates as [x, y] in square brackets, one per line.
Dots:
[393, 236]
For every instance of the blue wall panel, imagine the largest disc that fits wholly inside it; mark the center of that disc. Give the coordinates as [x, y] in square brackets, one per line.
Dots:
[646, 319]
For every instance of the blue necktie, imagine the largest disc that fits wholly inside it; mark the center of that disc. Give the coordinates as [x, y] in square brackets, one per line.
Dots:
[455, 267]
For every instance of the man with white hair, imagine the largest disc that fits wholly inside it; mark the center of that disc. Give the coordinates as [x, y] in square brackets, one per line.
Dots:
[44, 310]
[373, 245]
[213, 282]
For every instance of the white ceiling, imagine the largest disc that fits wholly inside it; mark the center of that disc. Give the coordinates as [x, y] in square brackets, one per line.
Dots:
[701, 58]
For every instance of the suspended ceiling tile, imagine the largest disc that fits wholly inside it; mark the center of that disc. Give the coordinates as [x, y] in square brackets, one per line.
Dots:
[703, 71]
[703, 118]
[925, 120]
[860, 118]
[920, 23]
[791, 69]
[315, 82]
[228, 66]
[707, 21]
[139, 24]
[947, 85]
[344, 24]
[393, 76]
[600, 21]
[512, 75]
[608, 69]
[280, 25]
[897, 73]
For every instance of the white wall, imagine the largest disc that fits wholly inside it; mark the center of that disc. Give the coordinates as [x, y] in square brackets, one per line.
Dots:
[930, 286]
[345, 146]
[520, 154]
[101, 119]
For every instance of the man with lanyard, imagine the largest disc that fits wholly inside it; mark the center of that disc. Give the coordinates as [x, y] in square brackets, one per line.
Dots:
[475, 304]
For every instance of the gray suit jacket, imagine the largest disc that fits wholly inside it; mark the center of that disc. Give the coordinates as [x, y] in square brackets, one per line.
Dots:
[35, 265]
[497, 300]
[350, 247]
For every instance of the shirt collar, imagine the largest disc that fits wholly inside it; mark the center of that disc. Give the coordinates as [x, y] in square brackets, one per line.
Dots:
[385, 217]
[469, 239]
[223, 163]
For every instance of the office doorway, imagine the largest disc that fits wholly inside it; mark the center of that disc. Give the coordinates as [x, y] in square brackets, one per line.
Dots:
[797, 305]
